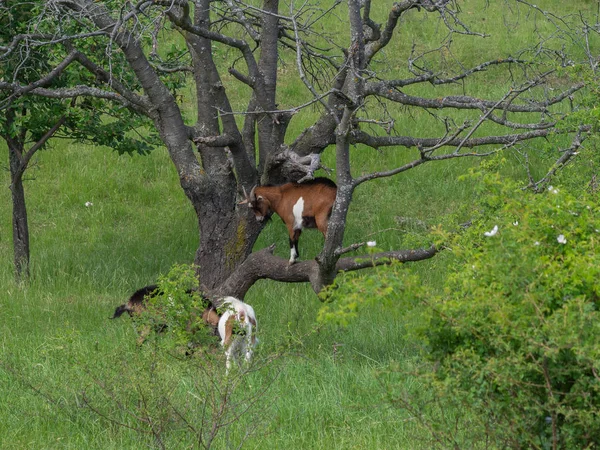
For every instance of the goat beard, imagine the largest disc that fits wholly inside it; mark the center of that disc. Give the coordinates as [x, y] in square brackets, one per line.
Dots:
[265, 218]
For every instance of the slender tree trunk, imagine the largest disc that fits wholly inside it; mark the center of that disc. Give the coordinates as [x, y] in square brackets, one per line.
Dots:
[19, 160]
[328, 258]
[19, 214]
[330, 255]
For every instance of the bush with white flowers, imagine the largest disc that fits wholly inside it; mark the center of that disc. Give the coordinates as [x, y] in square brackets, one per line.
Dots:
[516, 331]
[511, 341]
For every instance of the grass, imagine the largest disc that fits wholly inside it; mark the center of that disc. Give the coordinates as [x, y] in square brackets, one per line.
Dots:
[55, 332]
[329, 388]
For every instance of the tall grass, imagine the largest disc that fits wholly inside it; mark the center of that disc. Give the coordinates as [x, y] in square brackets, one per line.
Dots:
[55, 332]
[327, 389]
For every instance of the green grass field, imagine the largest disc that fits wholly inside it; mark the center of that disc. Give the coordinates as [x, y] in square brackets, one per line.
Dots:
[55, 332]
[71, 378]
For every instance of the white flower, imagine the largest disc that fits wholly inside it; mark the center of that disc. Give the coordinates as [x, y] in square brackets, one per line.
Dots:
[88, 204]
[516, 223]
[536, 243]
[371, 244]
[492, 232]
[561, 239]
[553, 190]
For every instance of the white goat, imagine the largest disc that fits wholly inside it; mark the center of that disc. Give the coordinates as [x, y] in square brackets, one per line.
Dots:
[235, 329]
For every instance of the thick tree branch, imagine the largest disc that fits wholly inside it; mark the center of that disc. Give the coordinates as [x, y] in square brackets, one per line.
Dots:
[76, 91]
[378, 259]
[263, 264]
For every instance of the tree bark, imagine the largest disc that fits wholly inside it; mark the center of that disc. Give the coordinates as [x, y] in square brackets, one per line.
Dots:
[328, 258]
[20, 225]
[264, 265]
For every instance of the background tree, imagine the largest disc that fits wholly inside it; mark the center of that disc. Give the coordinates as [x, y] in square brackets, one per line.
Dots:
[346, 77]
[29, 122]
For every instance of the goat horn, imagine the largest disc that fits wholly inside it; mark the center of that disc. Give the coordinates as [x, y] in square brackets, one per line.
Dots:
[246, 198]
[252, 196]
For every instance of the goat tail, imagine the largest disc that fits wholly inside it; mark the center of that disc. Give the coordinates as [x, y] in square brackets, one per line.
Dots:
[120, 310]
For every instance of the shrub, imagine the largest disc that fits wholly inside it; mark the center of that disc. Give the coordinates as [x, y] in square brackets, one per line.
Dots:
[177, 311]
[514, 331]
[516, 327]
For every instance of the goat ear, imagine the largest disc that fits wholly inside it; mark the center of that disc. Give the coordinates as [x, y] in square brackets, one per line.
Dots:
[260, 197]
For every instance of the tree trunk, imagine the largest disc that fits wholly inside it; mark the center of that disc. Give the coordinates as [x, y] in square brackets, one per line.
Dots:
[19, 215]
[19, 161]
[227, 236]
[354, 88]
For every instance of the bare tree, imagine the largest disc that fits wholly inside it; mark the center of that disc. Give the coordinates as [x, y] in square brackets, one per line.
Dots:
[217, 156]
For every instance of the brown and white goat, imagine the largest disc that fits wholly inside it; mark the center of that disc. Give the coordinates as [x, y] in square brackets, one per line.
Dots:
[236, 330]
[235, 326]
[300, 205]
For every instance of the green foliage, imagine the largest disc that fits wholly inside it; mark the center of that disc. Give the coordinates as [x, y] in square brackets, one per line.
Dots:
[388, 287]
[516, 327]
[89, 120]
[177, 310]
[513, 334]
